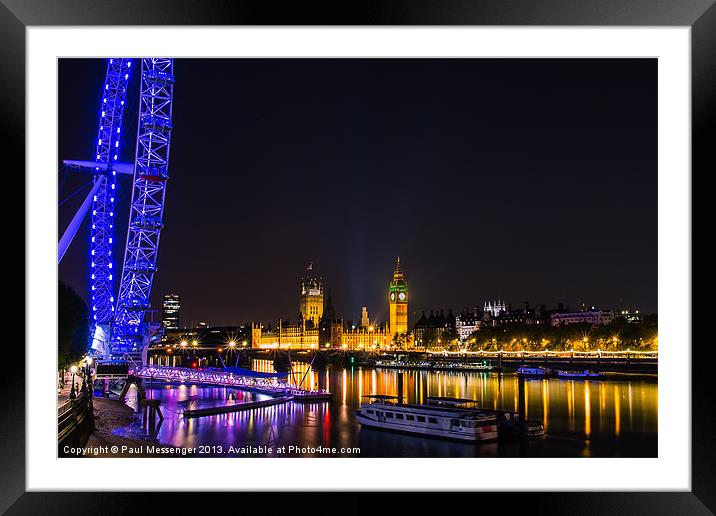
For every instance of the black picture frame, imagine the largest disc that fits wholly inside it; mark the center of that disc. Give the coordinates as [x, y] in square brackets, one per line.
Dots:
[17, 15]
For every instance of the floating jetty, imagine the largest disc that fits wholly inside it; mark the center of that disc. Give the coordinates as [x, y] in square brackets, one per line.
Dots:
[310, 396]
[239, 407]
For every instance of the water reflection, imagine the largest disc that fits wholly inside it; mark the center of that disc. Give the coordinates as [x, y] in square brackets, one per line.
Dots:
[580, 417]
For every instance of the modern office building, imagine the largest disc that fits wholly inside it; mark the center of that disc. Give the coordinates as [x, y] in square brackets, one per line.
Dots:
[171, 312]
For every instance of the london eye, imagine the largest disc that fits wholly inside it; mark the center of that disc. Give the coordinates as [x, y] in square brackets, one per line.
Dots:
[118, 328]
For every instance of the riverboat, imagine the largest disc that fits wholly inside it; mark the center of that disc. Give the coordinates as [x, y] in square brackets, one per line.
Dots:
[399, 364]
[459, 366]
[386, 413]
[534, 372]
[586, 373]
[509, 423]
[510, 426]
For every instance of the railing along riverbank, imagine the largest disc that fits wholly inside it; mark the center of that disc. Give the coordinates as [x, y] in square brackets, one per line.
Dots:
[75, 421]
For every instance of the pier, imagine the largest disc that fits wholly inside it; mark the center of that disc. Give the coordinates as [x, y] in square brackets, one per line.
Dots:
[271, 384]
[227, 409]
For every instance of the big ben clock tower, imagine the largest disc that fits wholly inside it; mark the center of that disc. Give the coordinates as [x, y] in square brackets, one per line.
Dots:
[398, 301]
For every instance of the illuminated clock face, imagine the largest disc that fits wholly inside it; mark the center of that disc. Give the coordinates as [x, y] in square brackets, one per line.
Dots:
[401, 296]
[392, 296]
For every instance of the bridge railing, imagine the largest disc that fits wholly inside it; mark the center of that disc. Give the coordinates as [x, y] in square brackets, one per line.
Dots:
[229, 379]
[221, 377]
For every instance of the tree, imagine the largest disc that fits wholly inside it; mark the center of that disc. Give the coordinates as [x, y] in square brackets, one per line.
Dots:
[450, 338]
[73, 326]
[616, 336]
[400, 340]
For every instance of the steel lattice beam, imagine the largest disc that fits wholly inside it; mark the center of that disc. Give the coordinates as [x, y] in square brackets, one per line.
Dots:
[183, 374]
[145, 219]
[102, 228]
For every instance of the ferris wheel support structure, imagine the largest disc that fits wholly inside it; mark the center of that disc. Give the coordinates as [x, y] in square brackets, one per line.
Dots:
[103, 169]
[102, 217]
[151, 172]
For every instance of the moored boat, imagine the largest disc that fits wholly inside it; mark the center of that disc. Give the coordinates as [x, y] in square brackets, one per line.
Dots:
[459, 366]
[586, 373]
[386, 413]
[511, 427]
[399, 364]
[536, 372]
[509, 423]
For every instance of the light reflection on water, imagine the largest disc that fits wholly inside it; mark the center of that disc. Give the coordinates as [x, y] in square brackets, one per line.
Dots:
[581, 418]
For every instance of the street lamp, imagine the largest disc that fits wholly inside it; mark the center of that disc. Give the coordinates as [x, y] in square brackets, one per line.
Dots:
[73, 392]
[88, 374]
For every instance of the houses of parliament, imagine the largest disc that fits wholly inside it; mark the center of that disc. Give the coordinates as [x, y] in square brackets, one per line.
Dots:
[320, 326]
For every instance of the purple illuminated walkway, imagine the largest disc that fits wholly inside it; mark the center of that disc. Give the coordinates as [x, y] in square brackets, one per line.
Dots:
[267, 385]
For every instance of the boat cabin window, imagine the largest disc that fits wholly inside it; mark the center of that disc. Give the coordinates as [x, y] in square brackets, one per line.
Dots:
[369, 411]
[388, 414]
[421, 419]
[410, 417]
[454, 422]
[468, 423]
[433, 420]
[399, 416]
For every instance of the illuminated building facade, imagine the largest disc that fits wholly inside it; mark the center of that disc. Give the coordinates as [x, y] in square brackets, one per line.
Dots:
[286, 336]
[326, 329]
[517, 317]
[435, 331]
[370, 337]
[467, 323]
[495, 308]
[364, 321]
[594, 317]
[311, 305]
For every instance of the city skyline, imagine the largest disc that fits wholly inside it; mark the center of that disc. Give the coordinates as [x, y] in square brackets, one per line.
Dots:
[485, 187]
[501, 305]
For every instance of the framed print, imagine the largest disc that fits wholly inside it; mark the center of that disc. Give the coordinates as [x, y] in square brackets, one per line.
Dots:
[426, 247]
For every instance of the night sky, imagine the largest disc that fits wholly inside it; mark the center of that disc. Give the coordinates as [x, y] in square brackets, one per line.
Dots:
[520, 179]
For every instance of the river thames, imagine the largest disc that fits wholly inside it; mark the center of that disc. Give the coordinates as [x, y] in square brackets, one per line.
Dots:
[581, 418]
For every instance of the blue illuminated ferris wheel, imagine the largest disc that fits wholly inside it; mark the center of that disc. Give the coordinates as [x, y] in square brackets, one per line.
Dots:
[118, 328]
